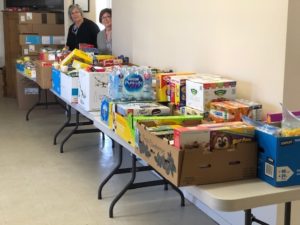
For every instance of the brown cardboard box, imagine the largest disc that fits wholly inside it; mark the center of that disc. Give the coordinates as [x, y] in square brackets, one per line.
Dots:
[30, 50]
[48, 29]
[30, 18]
[41, 18]
[25, 28]
[43, 73]
[27, 92]
[196, 166]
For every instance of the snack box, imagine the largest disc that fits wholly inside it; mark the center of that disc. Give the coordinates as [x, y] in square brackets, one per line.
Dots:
[185, 110]
[124, 126]
[277, 117]
[78, 54]
[162, 85]
[227, 111]
[255, 109]
[195, 166]
[143, 108]
[192, 137]
[201, 91]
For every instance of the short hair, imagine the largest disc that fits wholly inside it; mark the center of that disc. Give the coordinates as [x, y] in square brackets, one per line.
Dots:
[72, 7]
[103, 11]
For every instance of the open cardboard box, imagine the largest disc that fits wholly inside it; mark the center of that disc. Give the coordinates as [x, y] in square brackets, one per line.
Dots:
[196, 166]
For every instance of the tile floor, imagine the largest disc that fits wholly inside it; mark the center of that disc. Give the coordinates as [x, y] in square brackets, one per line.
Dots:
[40, 186]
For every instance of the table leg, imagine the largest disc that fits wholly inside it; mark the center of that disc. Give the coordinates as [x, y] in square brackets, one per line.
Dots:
[126, 188]
[113, 172]
[68, 108]
[287, 213]
[35, 105]
[250, 218]
[70, 134]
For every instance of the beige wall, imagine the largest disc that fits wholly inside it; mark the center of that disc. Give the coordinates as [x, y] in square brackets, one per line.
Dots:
[244, 40]
[1, 35]
[292, 70]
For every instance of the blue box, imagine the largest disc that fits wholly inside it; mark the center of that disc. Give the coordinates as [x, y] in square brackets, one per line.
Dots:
[56, 81]
[278, 159]
[30, 40]
[20, 67]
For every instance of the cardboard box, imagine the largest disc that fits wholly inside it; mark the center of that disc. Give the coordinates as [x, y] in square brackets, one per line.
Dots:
[195, 167]
[92, 87]
[55, 75]
[201, 91]
[125, 126]
[41, 18]
[28, 50]
[30, 18]
[27, 92]
[43, 73]
[227, 111]
[143, 108]
[162, 85]
[278, 159]
[25, 28]
[107, 111]
[69, 87]
[29, 39]
[48, 29]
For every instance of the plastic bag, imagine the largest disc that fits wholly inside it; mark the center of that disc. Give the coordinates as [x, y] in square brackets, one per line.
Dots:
[290, 125]
[262, 126]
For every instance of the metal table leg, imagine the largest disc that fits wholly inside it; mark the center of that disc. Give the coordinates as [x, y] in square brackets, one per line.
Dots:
[287, 213]
[64, 125]
[70, 134]
[35, 105]
[116, 199]
[113, 172]
[250, 218]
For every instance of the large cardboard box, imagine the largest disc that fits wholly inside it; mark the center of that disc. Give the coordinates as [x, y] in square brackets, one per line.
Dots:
[48, 29]
[28, 50]
[25, 28]
[92, 87]
[196, 166]
[200, 92]
[278, 159]
[69, 88]
[27, 92]
[43, 73]
[41, 18]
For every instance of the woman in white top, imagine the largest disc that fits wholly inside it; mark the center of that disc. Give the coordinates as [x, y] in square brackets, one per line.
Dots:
[104, 41]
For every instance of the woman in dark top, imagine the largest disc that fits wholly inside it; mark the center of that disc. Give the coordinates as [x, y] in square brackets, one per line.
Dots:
[82, 30]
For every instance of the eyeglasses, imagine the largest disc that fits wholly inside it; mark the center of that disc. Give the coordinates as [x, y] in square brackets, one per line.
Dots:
[105, 17]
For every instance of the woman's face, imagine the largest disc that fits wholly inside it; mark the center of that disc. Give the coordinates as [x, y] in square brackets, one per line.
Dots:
[76, 15]
[106, 20]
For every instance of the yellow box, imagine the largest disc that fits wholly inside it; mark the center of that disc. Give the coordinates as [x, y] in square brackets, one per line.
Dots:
[79, 65]
[78, 54]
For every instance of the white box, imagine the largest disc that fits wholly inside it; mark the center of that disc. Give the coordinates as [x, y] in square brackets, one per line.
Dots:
[92, 87]
[69, 88]
[201, 91]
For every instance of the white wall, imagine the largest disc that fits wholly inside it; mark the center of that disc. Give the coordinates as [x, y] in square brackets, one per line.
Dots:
[244, 40]
[2, 51]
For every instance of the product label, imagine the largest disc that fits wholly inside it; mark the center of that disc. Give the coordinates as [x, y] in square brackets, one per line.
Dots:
[133, 83]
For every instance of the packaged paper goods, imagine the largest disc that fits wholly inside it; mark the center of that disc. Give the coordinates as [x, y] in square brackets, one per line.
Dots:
[69, 86]
[195, 166]
[143, 108]
[228, 111]
[201, 91]
[131, 84]
[92, 87]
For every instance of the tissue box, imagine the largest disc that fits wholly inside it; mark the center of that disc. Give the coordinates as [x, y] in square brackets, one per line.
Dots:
[143, 108]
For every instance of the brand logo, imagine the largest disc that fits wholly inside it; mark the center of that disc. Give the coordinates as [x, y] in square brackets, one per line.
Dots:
[133, 83]
[286, 142]
[220, 92]
[194, 91]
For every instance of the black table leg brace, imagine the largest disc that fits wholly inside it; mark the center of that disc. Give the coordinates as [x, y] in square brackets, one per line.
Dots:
[250, 218]
[39, 103]
[75, 130]
[131, 184]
